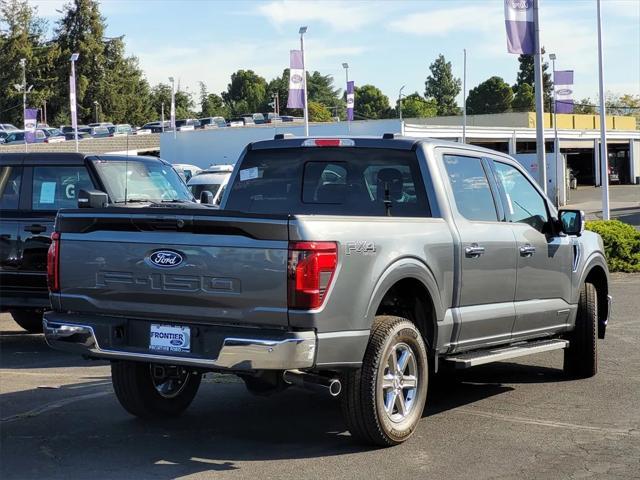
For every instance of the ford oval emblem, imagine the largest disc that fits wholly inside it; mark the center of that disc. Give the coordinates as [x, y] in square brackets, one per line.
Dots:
[165, 258]
[565, 91]
[176, 342]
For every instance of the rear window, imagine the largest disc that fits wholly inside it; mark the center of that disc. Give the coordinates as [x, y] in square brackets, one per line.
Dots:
[330, 181]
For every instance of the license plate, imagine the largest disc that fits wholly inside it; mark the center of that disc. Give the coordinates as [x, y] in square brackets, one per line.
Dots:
[170, 338]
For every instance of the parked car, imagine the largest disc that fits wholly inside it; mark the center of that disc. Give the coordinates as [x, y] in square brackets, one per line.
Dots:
[357, 266]
[213, 122]
[156, 127]
[96, 132]
[101, 124]
[69, 129]
[271, 117]
[121, 129]
[7, 127]
[3, 136]
[187, 124]
[245, 121]
[213, 179]
[81, 135]
[287, 118]
[53, 135]
[55, 181]
[186, 170]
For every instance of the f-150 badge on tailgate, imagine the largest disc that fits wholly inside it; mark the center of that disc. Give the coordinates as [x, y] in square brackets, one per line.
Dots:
[165, 258]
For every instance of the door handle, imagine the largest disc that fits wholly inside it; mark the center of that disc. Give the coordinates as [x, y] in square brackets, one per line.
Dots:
[473, 250]
[527, 250]
[35, 228]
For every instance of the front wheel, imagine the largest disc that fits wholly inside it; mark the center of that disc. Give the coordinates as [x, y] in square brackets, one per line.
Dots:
[581, 357]
[149, 390]
[30, 320]
[383, 401]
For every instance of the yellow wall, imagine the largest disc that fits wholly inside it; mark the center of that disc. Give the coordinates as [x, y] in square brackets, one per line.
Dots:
[584, 122]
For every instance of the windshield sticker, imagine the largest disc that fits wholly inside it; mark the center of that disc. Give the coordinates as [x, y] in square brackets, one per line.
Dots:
[48, 192]
[248, 174]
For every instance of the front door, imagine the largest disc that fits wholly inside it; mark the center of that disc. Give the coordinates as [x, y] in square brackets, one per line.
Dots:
[487, 255]
[545, 258]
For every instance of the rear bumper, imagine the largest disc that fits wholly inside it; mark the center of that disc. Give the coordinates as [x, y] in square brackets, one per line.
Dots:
[228, 348]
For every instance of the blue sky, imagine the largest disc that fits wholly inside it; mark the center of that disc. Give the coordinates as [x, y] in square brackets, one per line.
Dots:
[386, 43]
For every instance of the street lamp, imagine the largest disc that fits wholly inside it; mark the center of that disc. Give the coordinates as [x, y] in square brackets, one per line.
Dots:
[556, 142]
[302, 31]
[96, 104]
[345, 65]
[400, 102]
[72, 96]
[173, 106]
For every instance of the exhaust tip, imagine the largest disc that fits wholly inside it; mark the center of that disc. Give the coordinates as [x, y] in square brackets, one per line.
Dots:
[335, 387]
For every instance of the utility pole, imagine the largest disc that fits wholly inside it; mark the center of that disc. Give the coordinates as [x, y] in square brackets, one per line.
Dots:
[604, 159]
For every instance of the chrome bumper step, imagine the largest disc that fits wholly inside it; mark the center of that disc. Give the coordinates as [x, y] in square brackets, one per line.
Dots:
[481, 357]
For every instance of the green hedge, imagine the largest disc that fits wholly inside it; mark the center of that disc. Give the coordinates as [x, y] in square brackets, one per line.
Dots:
[621, 244]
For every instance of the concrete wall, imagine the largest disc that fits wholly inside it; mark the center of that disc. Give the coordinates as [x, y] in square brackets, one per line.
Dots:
[217, 146]
[150, 142]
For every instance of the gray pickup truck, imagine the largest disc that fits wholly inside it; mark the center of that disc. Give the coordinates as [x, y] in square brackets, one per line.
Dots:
[356, 266]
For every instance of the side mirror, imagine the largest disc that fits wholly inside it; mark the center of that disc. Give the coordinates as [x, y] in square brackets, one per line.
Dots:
[206, 197]
[92, 199]
[571, 221]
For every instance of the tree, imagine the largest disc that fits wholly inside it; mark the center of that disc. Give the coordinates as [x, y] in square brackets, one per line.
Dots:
[491, 96]
[161, 93]
[211, 105]
[416, 106]
[321, 90]
[585, 106]
[526, 74]
[280, 86]
[371, 103]
[319, 113]
[626, 104]
[247, 93]
[443, 87]
[524, 100]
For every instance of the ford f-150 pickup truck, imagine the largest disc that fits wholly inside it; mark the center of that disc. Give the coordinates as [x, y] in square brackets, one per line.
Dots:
[357, 266]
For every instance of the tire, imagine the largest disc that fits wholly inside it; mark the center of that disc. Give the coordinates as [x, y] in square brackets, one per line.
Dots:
[135, 387]
[581, 357]
[30, 320]
[365, 397]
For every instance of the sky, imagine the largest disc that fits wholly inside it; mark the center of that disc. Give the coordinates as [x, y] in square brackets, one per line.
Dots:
[386, 43]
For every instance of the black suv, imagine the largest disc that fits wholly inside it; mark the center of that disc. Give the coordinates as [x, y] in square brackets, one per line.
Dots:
[34, 186]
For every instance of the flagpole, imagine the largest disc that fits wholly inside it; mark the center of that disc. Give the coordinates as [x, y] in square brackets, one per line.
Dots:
[539, 90]
[604, 159]
[556, 143]
[302, 31]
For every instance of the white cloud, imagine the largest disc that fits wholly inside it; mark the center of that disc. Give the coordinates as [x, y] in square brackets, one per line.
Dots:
[338, 14]
[475, 17]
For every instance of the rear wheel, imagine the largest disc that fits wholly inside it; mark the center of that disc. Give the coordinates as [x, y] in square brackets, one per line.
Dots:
[30, 320]
[150, 390]
[383, 401]
[581, 357]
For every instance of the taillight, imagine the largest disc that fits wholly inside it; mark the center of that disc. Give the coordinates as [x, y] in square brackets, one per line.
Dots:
[310, 271]
[53, 263]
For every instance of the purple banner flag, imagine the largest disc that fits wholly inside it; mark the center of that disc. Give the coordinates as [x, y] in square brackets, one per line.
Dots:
[518, 16]
[351, 98]
[563, 90]
[296, 81]
[30, 121]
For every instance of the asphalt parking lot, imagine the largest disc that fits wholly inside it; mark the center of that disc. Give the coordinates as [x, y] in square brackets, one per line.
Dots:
[59, 418]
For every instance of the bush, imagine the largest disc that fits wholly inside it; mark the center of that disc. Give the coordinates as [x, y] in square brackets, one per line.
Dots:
[621, 244]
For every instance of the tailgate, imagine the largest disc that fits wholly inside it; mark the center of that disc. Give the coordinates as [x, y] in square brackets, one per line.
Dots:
[211, 268]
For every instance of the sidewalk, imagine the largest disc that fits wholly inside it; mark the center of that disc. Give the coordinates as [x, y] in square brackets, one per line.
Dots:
[624, 202]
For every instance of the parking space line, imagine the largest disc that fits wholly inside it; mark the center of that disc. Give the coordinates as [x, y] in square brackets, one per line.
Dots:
[53, 406]
[548, 423]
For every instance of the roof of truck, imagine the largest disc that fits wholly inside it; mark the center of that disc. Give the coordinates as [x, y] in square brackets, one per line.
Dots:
[66, 158]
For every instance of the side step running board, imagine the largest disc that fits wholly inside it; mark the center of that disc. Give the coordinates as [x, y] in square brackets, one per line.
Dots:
[480, 357]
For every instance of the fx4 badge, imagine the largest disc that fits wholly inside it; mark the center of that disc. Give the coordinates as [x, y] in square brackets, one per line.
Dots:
[361, 247]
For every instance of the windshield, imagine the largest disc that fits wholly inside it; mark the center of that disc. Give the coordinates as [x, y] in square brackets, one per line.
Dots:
[145, 180]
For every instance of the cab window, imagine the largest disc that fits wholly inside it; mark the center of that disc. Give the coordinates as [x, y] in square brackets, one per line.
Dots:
[57, 187]
[470, 188]
[10, 180]
[524, 204]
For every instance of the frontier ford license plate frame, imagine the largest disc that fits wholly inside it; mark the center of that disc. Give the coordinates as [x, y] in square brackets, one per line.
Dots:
[169, 338]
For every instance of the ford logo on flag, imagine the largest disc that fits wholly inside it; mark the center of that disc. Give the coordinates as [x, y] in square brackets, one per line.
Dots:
[165, 258]
[565, 91]
[519, 4]
[295, 78]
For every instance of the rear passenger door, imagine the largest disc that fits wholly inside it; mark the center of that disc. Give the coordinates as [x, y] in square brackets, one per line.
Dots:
[48, 188]
[10, 186]
[487, 257]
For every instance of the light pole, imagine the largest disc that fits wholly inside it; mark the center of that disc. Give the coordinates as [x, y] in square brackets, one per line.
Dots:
[604, 159]
[23, 87]
[162, 117]
[464, 98]
[302, 31]
[173, 106]
[400, 101]
[95, 110]
[72, 97]
[556, 142]
[345, 65]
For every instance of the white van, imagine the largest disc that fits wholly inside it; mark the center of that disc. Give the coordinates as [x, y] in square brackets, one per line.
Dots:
[214, 179]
